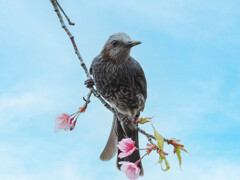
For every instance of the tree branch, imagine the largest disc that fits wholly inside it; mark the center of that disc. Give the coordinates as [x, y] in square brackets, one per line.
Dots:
[55, 5]
[69, 21]
[93, 91]
[87, 101]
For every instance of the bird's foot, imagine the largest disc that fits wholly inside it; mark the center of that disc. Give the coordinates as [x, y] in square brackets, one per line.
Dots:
[89, 83]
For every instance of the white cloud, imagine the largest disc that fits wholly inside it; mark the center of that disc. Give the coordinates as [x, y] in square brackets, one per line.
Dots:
[22, 101]
[22, 104]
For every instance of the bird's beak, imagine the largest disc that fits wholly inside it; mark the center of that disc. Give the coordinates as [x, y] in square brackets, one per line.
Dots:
[132, 43]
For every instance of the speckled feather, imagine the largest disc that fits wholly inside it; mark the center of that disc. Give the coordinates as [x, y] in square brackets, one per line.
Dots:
[123, 85]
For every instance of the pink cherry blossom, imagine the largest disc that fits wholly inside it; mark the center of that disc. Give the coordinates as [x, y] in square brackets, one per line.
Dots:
[64, 122]
[127, 146]
[130, 169]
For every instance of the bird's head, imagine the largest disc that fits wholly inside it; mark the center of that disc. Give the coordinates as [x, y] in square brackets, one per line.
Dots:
[117, 48]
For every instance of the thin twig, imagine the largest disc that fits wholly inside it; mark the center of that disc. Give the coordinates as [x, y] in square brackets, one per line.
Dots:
[71, 38]
[69, 21]
[144, 132]
[92, 89]
[87, 101]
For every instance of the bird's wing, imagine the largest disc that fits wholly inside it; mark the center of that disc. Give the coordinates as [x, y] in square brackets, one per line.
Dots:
[102, 75]
[140, 79]
[94, 62]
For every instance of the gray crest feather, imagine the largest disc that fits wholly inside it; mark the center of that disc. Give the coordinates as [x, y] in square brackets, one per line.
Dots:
[118, 36]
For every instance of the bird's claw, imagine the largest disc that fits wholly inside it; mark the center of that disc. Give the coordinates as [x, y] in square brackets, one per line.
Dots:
[89, 83]
[125, 120]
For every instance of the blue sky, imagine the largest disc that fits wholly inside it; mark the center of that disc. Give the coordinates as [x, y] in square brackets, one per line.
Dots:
[190, 55]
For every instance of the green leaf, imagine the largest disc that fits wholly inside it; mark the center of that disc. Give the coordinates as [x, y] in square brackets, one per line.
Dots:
[159, 138]
[183, 149]
[162, 158]
[160, 143]
[166, 164]
[178, 152]
[144, 120]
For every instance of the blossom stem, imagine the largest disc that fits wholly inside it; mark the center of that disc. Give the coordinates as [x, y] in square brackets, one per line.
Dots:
[77, 116]
[140, 149]
[141, 158]
[73, 114]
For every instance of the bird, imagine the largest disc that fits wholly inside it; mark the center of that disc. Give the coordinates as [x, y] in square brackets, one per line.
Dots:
[120, 79]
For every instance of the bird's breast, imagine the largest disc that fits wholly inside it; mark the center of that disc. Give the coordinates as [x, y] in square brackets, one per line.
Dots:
[116, 83]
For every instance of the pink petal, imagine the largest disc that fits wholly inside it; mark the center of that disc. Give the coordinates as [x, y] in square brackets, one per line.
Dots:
[130, 169]
[126, 144]
[62, 122]
[125, 154]
[131, 173]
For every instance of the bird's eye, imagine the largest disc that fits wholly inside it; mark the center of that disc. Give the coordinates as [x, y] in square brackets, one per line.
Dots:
[115, 43]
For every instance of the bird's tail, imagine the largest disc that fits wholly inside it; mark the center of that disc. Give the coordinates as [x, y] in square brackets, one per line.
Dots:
[118, 132]
[111, 147]
[125, 132]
